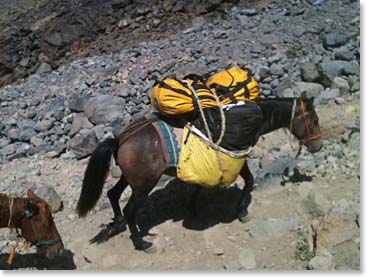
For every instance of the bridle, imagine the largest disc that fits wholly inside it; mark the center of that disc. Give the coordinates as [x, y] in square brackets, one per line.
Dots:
[29, 215]
[309, 137]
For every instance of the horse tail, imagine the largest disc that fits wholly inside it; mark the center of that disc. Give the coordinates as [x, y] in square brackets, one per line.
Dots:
[95, 175]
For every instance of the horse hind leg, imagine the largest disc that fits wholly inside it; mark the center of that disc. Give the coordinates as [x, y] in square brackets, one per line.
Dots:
[118, 224]
[136, 201]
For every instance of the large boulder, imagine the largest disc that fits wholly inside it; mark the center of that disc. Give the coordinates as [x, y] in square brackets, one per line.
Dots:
[104, 108]
[335, 39]
[311, 89]
[331, 69]
[79, 122]
[50, 195]
[310, 72]
[327, 95]
[83, 144]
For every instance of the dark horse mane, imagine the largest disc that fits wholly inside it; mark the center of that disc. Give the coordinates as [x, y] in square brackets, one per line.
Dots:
[276, 112]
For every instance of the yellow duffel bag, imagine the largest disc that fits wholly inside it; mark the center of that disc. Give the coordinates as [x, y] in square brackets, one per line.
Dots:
[200, 164]
[174, 97]
[234, 84]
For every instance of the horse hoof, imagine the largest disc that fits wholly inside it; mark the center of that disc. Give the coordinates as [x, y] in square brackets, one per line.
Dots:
[151, 250]
[244, 217]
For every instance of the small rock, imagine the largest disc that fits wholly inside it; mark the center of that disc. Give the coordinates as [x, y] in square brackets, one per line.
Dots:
[276, 69]
[36, 141]
[326, 96]
[26, 134]
[248, 12]
[79, 122]
[341, 84]
[344, 53]
[8, 150]
[310, 72]
[335, 39]
[44, 125]
[71, 216]
[311, 89]
[247, 259]
[4, 142]
[43, 68]
[339, 100]
[323, 261]
[218, 251]
[52, 154]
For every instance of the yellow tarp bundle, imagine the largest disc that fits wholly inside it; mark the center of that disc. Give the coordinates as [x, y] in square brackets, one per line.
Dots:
[234, 82]
[198, 163]
[173, 97]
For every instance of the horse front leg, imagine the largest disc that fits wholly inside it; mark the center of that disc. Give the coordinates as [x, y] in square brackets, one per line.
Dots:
[118, 224]
[193, 201]
[246, 196]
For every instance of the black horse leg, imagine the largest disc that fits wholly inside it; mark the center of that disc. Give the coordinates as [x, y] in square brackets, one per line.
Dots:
[246, 193]
[135, 202]
[118, 225]
[114, 195]
[194, 199]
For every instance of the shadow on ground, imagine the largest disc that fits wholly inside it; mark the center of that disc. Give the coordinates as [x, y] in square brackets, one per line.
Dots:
[39, 261]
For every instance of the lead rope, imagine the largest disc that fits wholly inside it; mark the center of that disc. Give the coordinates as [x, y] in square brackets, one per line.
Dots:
[13, 251]
[290, 130]
[11, 204]
[291, 123]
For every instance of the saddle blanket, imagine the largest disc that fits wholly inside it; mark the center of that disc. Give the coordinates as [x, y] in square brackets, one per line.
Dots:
[170, 138]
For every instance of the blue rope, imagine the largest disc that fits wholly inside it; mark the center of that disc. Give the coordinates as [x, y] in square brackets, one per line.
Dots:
[39, 243]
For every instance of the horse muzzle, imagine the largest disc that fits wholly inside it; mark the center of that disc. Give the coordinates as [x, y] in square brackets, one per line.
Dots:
[314, 146]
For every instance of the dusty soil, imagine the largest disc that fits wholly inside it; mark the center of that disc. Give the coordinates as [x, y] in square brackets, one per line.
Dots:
[214, 239]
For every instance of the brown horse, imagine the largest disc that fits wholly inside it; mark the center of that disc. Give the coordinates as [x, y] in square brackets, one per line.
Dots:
[33, 217]
[138, 153]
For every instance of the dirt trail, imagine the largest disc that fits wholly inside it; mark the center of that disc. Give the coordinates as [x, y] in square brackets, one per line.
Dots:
[274, 238]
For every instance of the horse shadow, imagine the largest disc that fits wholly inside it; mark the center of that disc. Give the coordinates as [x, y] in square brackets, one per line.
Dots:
[39, 261]
[213, 206]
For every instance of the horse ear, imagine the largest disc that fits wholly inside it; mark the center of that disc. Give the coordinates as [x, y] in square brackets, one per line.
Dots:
[310, 102]
[32, 195]
[304, 95]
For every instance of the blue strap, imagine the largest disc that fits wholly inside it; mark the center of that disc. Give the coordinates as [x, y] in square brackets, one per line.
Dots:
[40, 243]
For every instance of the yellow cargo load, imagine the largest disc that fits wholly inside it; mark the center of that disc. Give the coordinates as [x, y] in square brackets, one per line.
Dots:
[234, 84]
[174, 97]
[200, 164]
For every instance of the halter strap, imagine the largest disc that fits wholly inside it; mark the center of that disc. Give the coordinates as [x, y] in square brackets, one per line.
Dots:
[40, 242]
[309, 137]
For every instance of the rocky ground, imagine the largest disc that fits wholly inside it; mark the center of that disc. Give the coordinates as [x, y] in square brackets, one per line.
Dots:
[305, 212]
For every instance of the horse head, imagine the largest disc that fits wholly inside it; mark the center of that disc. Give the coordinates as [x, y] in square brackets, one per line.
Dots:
[305, 124]
[38, 227]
